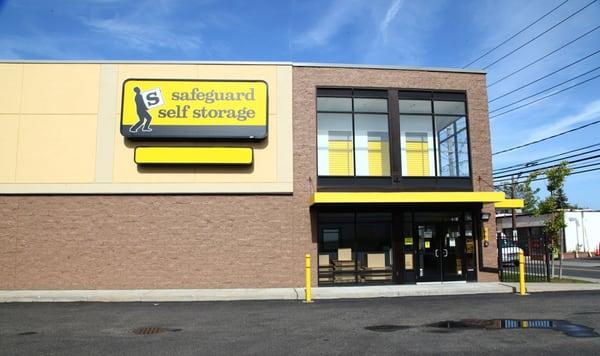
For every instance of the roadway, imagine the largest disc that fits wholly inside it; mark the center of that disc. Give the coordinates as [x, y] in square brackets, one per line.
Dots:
[583, 268]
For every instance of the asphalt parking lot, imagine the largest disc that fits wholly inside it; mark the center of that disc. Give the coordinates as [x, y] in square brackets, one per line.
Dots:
[368, 326]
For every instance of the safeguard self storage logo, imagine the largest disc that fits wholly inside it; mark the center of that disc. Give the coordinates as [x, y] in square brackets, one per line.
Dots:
[157, 108]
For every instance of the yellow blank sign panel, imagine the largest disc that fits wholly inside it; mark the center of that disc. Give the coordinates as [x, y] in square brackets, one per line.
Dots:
[193, 155]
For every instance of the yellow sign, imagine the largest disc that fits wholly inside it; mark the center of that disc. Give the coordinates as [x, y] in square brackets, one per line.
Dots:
[157, 108]
[427, 244]
[470, 246]
[193, 155]
[408, 241]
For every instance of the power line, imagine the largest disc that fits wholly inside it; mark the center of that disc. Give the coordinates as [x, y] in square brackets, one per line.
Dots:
[545, 158]
[541, 169]
[544, 178]
[545, 97]
[545, 76]
[543, 174]
[544, 56]
[544, 90]
[585, 165]
[546, 167]
[546, 162]
[541, 34]
[516, 34]
[546, 138]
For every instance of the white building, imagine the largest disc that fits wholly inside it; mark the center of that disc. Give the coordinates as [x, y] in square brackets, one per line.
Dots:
[582, 232]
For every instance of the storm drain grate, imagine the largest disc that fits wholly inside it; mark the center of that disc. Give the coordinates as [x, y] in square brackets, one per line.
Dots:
[149, 330]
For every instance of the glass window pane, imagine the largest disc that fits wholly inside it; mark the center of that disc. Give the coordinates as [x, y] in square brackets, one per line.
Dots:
[453, 147]
[416, 144]
[370, 105]
[449, 107]
[371, 145]
[334, 104]
[447, 158]
[444, 126]
[461, 123]
[331, 239]
[373, 247]
[334, 145]
[415, 106]
[463, 153]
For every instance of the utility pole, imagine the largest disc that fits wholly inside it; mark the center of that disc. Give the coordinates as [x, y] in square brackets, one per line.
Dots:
[514, 214]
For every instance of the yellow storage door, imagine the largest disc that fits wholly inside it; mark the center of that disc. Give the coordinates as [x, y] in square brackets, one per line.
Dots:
[379, 158]
[417, 156]
[340, 158]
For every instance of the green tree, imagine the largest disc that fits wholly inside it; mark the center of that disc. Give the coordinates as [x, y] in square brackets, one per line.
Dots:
[524, 191]
[554, 206]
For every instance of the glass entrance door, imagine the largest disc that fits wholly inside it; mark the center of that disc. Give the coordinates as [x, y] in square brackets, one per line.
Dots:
[440, 251]
[430, 268]
[452, 252]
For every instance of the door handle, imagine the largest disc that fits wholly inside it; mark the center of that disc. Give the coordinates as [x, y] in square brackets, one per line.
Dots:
[445, 252]
[436, 253]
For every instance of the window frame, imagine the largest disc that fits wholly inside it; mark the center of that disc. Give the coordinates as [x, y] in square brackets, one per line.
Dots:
[455, 137]
[356, 93]
[397, 181]
[432, 96]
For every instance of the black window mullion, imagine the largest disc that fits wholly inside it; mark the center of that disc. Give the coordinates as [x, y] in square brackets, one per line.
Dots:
[353, 139]
[456, 148]
[355, 248]
[435, 139]
[394, 134]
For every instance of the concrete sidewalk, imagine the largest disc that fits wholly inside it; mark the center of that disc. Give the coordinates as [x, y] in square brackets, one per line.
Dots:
[189, 295]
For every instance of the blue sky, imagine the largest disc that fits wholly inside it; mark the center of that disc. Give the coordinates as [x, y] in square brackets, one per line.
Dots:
[439, 33]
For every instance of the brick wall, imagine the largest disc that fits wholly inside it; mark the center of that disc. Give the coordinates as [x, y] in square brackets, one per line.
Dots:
[115, 242]
[206, 241]
[306, 79]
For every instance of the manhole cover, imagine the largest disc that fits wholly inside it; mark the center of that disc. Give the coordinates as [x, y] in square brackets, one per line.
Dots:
[148, 330]
[387, 328]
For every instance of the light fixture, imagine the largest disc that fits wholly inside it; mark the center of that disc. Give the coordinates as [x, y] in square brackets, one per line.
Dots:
[485, 216]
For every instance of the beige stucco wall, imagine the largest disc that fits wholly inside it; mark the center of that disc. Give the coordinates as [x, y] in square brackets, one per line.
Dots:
[59, 132]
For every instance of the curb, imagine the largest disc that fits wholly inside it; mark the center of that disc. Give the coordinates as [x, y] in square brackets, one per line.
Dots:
[323, 293]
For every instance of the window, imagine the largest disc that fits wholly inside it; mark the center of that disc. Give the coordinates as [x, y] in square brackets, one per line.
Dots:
[352, 134]
[416, 138]
[428, 138]
[334, 141]
[453, 147]
[433, 135]
[354, 248]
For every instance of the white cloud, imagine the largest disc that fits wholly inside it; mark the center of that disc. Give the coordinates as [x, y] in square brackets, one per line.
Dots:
[339, 14]
[143, 37]
[589, 112]
[389, 16]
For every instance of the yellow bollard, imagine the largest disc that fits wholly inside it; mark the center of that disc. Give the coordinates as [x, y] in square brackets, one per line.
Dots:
[308, 290]
[521, 273]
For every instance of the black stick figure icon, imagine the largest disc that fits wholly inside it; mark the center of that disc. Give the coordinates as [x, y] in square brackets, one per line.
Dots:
[142, 113]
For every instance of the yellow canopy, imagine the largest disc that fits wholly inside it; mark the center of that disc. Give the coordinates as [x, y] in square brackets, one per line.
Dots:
[415, 197]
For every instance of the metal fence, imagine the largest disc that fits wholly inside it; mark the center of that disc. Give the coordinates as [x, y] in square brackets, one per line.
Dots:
[537, 258]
